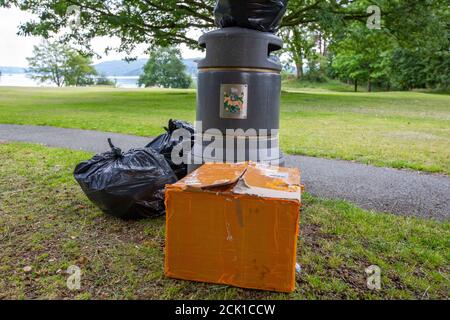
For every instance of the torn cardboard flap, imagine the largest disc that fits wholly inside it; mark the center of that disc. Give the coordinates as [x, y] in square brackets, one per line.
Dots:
[270, 182]
[248, 178]
[213, 175]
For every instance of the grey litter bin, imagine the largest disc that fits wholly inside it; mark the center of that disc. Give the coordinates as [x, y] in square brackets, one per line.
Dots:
[239, 87]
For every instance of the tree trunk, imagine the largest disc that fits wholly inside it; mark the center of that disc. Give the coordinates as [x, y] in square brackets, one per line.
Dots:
[369, 86]
[356, 85]
[320, 44]
[57, 77]
[299, 66]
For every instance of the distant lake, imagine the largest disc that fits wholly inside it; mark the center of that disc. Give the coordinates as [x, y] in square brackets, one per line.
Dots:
[23, 80]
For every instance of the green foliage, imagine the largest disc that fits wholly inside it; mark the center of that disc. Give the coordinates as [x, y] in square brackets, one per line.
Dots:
[153, 22]
[416, 68]
[408, 69]
[78, 70]
[410, 24]
[410, 51]
[167, 23]
[317, 68]
[58, 63]
[165, 69]
[410, 30]
[162, 23]
[104, 81]
[374, 56]
[299, 46]
[306, 46]
[48, 63]
[361, 55]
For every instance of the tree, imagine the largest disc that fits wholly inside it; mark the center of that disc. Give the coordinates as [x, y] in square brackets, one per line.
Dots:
[408, 58]
[299, 45]
[78, 70]
[418, 68]
[48, 62]
[167, 22]
[317, 67]
[425, 62]
[362, 55]
[333, 21]
[58, 63]
[166, 69]
[102, 80]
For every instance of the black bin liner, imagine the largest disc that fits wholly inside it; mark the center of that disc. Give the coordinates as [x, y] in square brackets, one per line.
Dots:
[261, 15]
[126, 185]
[165, 143]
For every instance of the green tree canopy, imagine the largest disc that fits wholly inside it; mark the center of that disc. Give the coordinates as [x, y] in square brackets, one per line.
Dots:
[409, 23]
[414, 56]
[299, 44]
[420, 68]
[166, 69]
[58, 63]
[362, 55]
[167, 22]
[78, 71]
[48, 63]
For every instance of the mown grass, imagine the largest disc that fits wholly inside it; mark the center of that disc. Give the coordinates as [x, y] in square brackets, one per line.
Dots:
[393, 129]
[47, 223]
[292, 84]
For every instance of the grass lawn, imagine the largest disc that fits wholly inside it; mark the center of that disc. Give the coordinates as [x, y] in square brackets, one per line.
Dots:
[47, 223]
[293, 84]
[394, 129]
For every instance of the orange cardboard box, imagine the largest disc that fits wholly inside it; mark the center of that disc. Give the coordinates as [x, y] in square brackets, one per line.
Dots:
[234, 224]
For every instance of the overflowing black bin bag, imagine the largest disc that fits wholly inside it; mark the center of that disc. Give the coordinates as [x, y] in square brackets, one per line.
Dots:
[165, 143]
[126, 185]
[261, 15]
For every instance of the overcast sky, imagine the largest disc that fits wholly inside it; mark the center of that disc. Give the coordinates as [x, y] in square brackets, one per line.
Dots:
[15, 49]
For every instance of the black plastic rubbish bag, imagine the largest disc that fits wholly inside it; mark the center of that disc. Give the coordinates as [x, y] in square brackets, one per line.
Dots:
[261, 15]
[126, 185]
[165, 143]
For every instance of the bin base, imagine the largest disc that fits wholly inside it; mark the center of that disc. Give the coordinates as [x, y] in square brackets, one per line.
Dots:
[280, 163]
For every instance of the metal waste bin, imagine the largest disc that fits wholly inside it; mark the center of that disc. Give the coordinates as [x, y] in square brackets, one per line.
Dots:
[239, 86]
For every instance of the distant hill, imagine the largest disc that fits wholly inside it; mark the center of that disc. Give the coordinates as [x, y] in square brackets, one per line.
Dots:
[12, 70]
[117, 68]
[120, 68]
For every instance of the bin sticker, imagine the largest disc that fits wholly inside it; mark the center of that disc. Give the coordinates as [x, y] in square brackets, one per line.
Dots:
[233, 104]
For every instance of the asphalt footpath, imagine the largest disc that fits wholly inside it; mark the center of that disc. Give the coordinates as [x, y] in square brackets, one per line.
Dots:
[401, 192]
